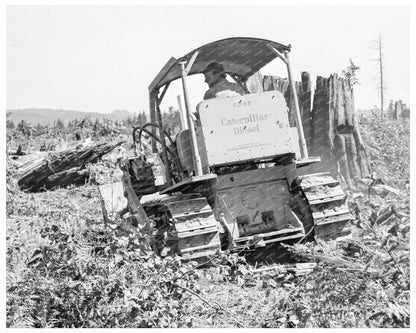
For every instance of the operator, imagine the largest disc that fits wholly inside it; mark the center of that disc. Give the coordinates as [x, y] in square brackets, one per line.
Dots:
[219, 86]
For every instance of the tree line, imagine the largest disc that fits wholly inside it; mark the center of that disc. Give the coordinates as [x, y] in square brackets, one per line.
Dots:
[99, 127]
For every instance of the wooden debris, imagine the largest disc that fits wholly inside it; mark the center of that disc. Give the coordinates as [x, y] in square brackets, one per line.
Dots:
[133, 200]
[383, 190]
[25, 162]
[384, 215]
[63, 168]
[16, 152]
[338, 262]
[113, 201]
[66, 178]
[299, 268]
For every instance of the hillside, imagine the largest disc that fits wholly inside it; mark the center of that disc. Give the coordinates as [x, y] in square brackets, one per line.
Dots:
[47, 116]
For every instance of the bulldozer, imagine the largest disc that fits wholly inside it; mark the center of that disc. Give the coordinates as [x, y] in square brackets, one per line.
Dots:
[230, 179]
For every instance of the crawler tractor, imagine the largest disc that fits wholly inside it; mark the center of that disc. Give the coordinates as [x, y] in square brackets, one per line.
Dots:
[230, 178]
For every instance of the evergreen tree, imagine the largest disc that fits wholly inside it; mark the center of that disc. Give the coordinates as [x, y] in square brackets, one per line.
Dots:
[128, 122]
[85, 123]
[24, 127]
[40, 129]
[390, 110]
[141, 118]
[10, 124]
[59, 124]
[350, 74]
[97, 125]
[171, 120]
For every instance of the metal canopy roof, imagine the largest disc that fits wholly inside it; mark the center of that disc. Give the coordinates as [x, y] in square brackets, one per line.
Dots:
[240, 56]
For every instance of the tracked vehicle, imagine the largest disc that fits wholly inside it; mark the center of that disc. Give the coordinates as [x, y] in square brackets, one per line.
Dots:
[230, 178]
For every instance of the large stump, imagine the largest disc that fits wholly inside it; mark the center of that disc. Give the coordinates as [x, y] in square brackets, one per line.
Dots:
[334, 131]
[282, 85]
[330, 124]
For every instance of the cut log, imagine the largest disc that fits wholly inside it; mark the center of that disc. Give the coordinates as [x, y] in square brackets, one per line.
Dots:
[66, 178]
[60, 169]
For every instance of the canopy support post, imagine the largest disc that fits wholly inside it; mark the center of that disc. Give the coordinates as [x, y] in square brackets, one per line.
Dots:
[152, 107]
[163, 142]
[302, 142]
[194, 143]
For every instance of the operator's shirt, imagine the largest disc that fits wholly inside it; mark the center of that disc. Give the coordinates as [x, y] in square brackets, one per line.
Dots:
[224, 88]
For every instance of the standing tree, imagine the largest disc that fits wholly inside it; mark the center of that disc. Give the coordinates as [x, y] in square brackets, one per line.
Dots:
[380, 72]
[98, 125]
[390, 110]
[25, 128]
[10, 124]
[85, 123]
[59, 124]
[171, 120]
[350, 74]
[141, 118]
[40, 129]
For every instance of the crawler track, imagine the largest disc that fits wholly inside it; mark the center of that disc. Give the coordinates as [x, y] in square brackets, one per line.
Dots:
[185, 226]
[328, 206]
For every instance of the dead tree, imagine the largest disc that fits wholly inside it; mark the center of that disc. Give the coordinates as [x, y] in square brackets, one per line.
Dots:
[381, 69]
[381, 87]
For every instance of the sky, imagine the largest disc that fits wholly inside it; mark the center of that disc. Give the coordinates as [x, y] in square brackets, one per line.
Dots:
[103, 58]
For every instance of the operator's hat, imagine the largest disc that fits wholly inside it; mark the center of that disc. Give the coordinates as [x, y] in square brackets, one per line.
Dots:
[214, 67]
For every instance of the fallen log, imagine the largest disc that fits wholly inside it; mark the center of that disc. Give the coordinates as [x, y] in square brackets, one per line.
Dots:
[66, 178]
[57, 169]
[25, 162]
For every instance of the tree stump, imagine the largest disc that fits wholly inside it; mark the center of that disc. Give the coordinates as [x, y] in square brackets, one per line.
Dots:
[305, 104]
[282, 85]
[335, 132]
[330, 124]
[401, 111]
[255, 83]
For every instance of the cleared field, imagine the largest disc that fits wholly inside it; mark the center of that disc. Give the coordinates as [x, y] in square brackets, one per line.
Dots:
[65, 269]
